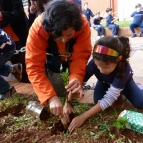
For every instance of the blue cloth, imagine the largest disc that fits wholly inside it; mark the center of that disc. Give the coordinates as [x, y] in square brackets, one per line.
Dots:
[137, 17]
[100, 30]
[134, 25]
[7, 49]
[96, 21]
[109, 18]
[6, 43]
[114, 28]
[31, 18]
[78, 2]
[131, 92]
[111, 78]
[88, 13]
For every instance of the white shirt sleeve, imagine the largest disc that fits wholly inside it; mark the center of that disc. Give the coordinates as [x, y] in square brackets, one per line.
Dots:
[110, 97]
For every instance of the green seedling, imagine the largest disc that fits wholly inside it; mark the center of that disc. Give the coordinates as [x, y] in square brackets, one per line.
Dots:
[120, 123]
[112, 136]
[10, 102]
[65, 76]
[104, 126]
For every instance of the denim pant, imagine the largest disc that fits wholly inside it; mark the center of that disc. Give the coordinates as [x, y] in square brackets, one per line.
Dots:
[131, 92]
[100, 30]
[134, 25]
[114, 28]
[5, 69]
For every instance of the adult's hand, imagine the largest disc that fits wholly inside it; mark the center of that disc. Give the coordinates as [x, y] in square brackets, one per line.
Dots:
[56, 106]
[74, 86]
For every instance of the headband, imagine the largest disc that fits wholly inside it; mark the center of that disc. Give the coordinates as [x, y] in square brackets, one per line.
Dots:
[105, 50]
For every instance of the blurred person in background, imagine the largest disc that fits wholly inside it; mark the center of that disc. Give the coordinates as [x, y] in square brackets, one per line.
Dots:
[87, 12]
[7, 49]
[35, 7]
[14, 22]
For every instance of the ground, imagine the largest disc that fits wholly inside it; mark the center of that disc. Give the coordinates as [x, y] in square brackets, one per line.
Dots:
[18, 126]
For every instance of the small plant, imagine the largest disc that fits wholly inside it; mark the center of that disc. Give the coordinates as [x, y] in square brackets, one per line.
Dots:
[65, 76]
[104, 126]
[10, 102]
[112, 136]
[120, 123]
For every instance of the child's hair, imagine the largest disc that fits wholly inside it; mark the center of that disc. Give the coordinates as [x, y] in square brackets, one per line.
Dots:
[138, 5]
[108, 9]
[86, 3]
[121, 45]
[98, 12]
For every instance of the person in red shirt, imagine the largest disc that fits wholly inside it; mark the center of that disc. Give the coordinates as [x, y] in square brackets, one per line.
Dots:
[60, 29]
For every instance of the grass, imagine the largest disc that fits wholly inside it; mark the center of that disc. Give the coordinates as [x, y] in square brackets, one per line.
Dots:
[121, 23]
[14, 100]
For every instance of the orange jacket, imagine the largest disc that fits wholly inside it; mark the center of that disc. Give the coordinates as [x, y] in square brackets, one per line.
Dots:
[36, 56]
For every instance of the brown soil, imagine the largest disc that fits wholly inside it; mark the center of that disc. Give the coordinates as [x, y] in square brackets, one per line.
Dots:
[52, 131]
[14, 110]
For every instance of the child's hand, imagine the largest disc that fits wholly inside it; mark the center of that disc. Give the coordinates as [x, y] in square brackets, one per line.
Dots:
[76, 122]
[67, 109]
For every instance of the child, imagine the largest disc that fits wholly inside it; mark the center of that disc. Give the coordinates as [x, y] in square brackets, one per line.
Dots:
[7, 50]
[111, 67]
[35, 8]
[138, 19]
[97, 26]
[87, 12]
[110, 22]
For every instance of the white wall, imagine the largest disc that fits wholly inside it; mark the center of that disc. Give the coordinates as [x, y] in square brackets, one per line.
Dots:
[126, 7]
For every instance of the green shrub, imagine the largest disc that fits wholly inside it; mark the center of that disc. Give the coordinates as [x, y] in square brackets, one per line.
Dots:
[121, 23]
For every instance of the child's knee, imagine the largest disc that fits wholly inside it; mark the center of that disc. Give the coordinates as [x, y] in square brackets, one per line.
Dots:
[139, 104]
[131, 25]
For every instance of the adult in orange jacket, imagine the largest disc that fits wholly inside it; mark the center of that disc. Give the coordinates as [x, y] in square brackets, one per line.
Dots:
[62, 24]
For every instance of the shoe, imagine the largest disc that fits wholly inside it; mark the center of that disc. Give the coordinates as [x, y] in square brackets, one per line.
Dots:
[17, 71]
[98, 37]
[140, 35]
[115, 36]
[8, 93]
[102, 36]
[134, 35]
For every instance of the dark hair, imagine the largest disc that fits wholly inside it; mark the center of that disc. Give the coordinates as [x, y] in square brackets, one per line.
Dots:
[108, 9]
[85, 3]
[121, 45]
[138, 5]
[60, 15]
[98, 12]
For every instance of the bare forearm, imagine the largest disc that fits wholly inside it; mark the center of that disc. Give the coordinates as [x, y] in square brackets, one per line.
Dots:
[94, 110]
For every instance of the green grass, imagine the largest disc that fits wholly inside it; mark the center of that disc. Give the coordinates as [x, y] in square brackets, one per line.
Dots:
[121, 23]
[10, 102]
